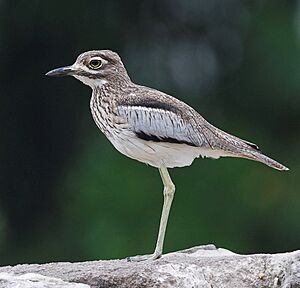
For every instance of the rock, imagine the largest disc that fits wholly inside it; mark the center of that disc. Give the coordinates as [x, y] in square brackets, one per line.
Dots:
[202, 266]
[32, 280]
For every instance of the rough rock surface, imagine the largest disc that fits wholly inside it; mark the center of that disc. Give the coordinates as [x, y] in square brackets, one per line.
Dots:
[32, 280]
[202, 266]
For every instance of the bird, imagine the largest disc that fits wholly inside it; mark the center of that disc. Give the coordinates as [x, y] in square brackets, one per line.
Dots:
[152, 127]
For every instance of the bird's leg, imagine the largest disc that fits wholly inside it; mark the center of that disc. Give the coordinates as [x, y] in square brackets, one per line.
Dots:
[169, 190]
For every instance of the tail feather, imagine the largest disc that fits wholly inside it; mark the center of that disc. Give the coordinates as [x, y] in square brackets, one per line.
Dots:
[237, 147]
[257, 156]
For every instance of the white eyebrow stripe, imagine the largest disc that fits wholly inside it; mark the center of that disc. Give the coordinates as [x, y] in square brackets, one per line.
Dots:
[99, 58]
[87, 69]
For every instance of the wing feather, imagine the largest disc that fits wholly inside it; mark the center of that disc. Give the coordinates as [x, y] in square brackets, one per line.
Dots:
[157, 124]
[157, 116]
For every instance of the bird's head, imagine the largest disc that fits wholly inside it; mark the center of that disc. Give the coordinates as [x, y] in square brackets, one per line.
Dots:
[94, 68]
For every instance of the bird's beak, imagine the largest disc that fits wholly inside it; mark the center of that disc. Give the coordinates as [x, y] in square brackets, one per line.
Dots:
[63, 71]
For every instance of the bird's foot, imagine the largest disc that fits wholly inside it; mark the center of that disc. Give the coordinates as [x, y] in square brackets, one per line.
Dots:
[148, 257]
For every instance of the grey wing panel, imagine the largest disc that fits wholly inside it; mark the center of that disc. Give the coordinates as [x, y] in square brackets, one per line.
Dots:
[160, 125]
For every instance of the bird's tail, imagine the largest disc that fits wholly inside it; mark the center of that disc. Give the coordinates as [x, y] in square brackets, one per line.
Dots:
[237, 147]
[258, 156]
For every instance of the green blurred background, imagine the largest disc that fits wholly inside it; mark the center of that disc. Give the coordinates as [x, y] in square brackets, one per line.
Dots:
[68, 195]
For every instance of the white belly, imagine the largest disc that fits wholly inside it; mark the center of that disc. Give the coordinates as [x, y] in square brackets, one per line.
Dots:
[161, 154]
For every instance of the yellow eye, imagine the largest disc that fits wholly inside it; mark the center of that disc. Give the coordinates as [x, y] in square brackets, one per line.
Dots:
[95, 63]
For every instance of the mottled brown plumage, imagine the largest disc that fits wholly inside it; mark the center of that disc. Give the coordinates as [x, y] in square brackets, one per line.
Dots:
[151, 126]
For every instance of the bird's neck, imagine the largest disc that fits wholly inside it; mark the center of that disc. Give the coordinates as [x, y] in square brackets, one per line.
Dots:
[105, 93]
[111, 88]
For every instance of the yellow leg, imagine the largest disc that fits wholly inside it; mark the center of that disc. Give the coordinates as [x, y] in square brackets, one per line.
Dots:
[169, 190]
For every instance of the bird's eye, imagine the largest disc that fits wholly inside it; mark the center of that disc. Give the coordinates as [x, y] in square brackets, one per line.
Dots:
[95, 63]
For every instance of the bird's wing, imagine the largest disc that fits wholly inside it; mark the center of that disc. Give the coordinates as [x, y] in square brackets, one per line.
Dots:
[161, 120]
[154, 115]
